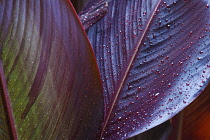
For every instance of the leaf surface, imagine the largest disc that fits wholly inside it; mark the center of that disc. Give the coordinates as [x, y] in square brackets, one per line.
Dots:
[154, 59]
[49, 71]
[194, 120]
[92, 13]
[197, 116]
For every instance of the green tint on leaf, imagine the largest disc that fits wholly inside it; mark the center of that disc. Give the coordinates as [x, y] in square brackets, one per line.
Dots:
[4, 128]
[50, 71]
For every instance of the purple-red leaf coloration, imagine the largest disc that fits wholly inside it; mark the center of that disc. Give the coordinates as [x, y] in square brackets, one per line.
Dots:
[49, 72]
[93, 13]
[154, 59]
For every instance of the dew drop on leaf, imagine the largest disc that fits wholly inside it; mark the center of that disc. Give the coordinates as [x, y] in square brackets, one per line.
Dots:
[168, 26]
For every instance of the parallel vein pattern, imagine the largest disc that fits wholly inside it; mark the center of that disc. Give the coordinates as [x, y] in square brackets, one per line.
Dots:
[52, 77]
[170, 70]
[113, 39]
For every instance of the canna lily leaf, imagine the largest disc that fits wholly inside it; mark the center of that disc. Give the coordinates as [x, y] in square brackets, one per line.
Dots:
[154, 59]
[50, 83]
[193, 122]
[160, 132]
[92, 13]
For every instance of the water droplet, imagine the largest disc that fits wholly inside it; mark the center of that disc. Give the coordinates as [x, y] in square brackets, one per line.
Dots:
[157, 94]
[180, 63]
[131, 102]
[119, 118]
[191, 32]
[130, 87]
[168, 26]
[170, 99]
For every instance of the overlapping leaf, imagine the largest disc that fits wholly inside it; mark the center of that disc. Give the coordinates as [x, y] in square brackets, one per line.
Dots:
[154, 59]
[193, 122]
[50, 72]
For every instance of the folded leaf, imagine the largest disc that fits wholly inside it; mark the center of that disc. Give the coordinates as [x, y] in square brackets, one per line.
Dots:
[154, 59]
[50, 73]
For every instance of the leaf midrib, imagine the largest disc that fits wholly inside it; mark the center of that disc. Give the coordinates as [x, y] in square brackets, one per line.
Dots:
[126, 69]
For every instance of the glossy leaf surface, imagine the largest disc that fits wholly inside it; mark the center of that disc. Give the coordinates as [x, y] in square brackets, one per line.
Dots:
[195, 119]
[49, 72]
[154, 59]
[92, 13]
[160, 132]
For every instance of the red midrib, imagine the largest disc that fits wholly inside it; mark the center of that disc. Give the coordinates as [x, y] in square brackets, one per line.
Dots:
[125, 71]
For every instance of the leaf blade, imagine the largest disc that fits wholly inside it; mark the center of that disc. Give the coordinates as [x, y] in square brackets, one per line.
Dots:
[46, 56]
[168, 63]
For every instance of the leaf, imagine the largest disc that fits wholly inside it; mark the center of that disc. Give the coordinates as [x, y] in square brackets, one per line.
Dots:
[195, 120]
[49, 71]
[154, 59]
[160, 132]
[92, 13]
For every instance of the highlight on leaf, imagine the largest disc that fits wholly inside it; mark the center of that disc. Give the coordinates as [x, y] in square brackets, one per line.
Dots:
[139, 63]
[50, 73]
[154, 60]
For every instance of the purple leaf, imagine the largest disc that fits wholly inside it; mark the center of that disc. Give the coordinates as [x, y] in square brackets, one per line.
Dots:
[154, 59]
[49, 72]
[160, 132]
[92, 13]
